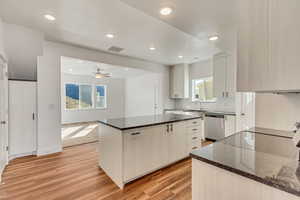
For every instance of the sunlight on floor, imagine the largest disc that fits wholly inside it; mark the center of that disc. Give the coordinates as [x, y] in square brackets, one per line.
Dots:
[73, 134]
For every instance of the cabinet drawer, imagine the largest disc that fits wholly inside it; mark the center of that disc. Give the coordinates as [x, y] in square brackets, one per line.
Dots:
[195, 122]
[195, 144]
[196, 136]
[195, 129]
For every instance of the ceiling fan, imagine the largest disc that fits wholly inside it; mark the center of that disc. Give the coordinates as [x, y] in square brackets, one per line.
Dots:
[101, 74]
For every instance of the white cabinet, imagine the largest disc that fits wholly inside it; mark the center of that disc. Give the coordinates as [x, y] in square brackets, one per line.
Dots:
[22, 118]
[223, 75]
[179, 81]
[177, 141]
[151, 148]
[230, 125]
[195, 130]
[268, 45]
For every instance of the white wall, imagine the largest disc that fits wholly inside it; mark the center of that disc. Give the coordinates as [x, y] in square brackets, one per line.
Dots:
[1, 39]
[199, 70]
[49, 87]
[277, 111]
[115, 89]
[22, 46]
[143, 92]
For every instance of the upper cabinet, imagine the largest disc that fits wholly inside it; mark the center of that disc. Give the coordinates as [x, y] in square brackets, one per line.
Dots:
[268, 46]
[179, 81]
[224, 75]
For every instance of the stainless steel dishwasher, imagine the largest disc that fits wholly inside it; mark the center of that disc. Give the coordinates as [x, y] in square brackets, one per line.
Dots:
[214, 126]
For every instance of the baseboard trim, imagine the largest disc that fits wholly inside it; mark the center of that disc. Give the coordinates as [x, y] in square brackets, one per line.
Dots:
[42, 152]
[14, 156]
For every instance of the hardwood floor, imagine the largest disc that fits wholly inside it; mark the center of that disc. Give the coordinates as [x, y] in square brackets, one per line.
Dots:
[75, 175]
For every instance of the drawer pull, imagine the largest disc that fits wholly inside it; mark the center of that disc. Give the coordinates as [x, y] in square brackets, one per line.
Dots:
[194, 129]
[195, 148]
[194, 122]
[194, 138]
[137, 133]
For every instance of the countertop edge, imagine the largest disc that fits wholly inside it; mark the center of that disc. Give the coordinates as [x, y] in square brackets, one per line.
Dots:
[147, 125]
[245, 174]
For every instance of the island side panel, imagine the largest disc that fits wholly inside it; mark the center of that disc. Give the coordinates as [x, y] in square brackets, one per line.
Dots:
[213, 183]
[111, 153]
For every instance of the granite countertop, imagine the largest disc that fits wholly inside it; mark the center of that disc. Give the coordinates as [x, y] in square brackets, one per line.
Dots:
[269, 159]
[144, 121]
[204, 111]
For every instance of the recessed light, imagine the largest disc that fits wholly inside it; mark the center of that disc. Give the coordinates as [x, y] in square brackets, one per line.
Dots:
[180, 57]
[152, 48]
[213, 38]
[110, 35]
[49, 17]
[166, 11]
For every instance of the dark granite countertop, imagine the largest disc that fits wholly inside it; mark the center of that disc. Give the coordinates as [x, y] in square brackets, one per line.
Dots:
[144, 121]
[269, 159]
[204, 111]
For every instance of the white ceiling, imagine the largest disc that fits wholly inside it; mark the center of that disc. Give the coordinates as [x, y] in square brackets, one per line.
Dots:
[136, 23]
[88, 68]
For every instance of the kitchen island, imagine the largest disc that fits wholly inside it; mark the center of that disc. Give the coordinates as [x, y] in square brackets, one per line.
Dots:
[130, 148]
[255, 165]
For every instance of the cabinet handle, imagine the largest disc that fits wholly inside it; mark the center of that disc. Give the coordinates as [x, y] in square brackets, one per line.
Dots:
[33, 116]
[194, 148]
[194, 129]
[171, 127]
[227, 94]
[168, 129]
[194, 138]
[137, 133]
[194, 122]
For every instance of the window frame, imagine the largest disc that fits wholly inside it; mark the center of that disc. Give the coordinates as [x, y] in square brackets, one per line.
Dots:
[93, 107]
[105, 96]
[214, 100]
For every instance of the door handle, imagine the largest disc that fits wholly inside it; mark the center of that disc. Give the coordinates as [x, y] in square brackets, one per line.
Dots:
[137, 133]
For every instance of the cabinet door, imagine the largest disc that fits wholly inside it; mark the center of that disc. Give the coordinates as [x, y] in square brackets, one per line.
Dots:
[259, 46]
[253, 46]
[243, 45]
[177, 142]
[145, 150]
[219, 63]
[138, 155]
[229, 125]
[285, 43]
[180, 81]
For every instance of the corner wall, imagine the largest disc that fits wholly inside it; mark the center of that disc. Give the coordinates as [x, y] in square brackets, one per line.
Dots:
[49, 87]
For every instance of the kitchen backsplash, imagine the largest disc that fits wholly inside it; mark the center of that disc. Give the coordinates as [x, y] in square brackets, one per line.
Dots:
[222, 104]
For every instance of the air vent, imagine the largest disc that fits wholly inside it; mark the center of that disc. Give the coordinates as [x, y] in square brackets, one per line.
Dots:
[115, 49]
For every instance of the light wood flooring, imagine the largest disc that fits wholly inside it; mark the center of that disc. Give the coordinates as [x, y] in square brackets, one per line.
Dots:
[75, 175]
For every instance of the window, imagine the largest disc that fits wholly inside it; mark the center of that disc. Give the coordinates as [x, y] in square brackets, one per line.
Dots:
[72, 96]
[100, 96]
[83, 96]
[86, 93]
[202, 90]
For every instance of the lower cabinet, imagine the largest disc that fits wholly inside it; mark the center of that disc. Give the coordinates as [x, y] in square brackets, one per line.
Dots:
[230, 125]
[151, 148]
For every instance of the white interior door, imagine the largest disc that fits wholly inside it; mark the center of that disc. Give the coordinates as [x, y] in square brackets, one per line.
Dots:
[3, 116]
[22, 112]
